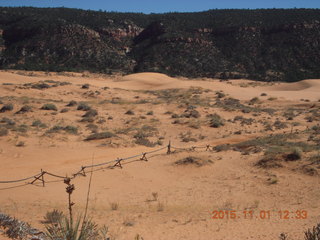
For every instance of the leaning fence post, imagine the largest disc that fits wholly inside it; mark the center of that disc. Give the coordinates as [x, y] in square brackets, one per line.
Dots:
[169, 148]
[42, 178]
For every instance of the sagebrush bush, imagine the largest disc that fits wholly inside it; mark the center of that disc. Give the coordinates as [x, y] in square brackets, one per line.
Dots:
[49, 106]
[72, 103]
[83, 106]
[216, 121]
[24, 109]
[90, 113]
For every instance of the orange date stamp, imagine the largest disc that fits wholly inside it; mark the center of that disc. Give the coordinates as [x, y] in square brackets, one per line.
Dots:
[259, 214]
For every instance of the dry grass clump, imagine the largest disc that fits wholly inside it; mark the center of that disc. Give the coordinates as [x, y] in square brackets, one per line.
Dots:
[187, 137]
[98, 136]
[269, 161]
[191, 160]
[68, 129]
[141, 136]
[114, 206]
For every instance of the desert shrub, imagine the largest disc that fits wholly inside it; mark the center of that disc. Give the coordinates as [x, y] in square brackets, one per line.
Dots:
[64, 110]
[87, 119]
[268, 162]
[222, 147]
[24, 109]
[20, 144]
[215, 121]
[40, 85]
[7, 121]
[194, 124]
[85, 86]
[315, 128]
[129, 112]
[289, 115]
[254, 100]
[92, 127]
[309, 118]
[191, 113]
[295, 155]
[82, 106]
[193, 161]
[91, 113]
[187, 137]
[101, 135]
[144, 142]
[280, 125]
[67, 129]
[3, 131]
[7, 107]
[263, 94]
[71, 129]
[220, 94]
[72, 103]
[150, 113]
[49, 106]
[38, 123]
[175, 115]
[272, 98]
[21, 128]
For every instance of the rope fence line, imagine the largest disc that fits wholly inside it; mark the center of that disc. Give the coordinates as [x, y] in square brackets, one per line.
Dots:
[39, 179]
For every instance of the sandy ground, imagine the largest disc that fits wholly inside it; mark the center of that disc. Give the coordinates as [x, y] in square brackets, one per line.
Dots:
[156, 199]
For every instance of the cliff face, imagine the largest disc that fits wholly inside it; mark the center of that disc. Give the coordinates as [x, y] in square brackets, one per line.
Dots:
[260, 44]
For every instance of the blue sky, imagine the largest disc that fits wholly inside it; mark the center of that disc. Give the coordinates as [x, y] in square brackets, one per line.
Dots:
[160, 6]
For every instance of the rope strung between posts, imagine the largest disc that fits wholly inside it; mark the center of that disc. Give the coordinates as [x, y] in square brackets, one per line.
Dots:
[39, 178]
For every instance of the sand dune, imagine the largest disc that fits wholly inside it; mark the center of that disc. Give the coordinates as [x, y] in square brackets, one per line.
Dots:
[188, 194]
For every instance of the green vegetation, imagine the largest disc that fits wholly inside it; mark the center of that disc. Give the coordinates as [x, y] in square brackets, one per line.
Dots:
[273, 44]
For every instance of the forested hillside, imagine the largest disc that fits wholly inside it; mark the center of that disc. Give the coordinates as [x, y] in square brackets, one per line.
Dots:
[269, 45]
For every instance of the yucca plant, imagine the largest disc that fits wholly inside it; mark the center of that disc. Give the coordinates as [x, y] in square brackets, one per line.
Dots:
[65, 229]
